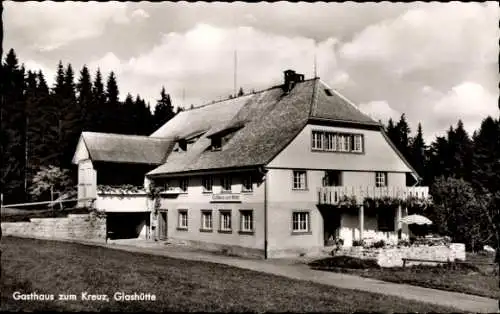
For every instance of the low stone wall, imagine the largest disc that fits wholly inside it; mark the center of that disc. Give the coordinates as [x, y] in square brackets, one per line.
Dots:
[84, 226]
[393, 257]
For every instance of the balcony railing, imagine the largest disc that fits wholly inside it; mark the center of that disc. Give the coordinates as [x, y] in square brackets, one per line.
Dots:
[333, 194]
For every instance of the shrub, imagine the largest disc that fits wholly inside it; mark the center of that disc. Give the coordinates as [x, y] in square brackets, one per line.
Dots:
[345, 262]
[378, 244]
[358, 243]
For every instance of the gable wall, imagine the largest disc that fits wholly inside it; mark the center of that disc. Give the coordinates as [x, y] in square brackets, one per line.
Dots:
[378, 154]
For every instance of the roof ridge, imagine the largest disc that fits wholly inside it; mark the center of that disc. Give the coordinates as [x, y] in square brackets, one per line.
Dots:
[345, 99]
[127, 135]
[314, 98]
[249, 94]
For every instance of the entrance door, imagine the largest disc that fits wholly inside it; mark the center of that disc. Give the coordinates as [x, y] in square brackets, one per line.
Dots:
[331, 221]
[162, 225]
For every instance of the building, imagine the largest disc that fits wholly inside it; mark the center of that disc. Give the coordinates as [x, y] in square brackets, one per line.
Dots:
[265, 174]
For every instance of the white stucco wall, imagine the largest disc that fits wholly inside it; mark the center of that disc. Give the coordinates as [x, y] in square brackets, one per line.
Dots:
[118, 203]
[378, 154]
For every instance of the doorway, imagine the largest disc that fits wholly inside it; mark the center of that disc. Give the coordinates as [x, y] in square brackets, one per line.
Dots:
[162, 225]
[331, 223]
[332, 178]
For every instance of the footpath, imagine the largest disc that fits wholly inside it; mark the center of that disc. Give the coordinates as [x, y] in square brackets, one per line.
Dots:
[297, 269]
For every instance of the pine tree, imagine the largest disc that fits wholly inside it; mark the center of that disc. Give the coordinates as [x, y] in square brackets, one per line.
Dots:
[96, 114]
[12, 132]
[460, 149]
[392, 133]
[112, 109]
[84, 97]
[144, 122]
[418, 152]
[486, 156]
[42, 88]
[59, 83]
[69, 85]
[437, 159]
[241, 92]
[164, 111]
[403, 131]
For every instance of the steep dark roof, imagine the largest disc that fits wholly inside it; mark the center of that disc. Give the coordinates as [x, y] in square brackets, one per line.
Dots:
[266, 122]
[127, 148]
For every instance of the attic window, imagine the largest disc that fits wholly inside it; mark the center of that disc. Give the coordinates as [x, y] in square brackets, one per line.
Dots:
[216, 143]
[180, 146]
[328, 92]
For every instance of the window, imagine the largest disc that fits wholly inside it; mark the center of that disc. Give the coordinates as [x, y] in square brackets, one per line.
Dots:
[183, 220]
[247, 184]
[337, 142]
[380, 179]
[300, 222]
[317, 140]
[207, 182]
[225, 221]
[225, 183]
[183, 184]
[330, 142]
[206, 220]
[246, 221]
[216, 143]
[358, 144]
[299, 180]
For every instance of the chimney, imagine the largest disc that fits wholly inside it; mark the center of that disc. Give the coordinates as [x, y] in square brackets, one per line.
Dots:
[291, 78]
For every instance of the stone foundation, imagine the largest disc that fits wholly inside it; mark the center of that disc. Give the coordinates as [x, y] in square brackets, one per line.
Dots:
[393, 257]
[84, 226]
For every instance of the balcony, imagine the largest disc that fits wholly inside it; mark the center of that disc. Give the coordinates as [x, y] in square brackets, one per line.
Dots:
[331, 195]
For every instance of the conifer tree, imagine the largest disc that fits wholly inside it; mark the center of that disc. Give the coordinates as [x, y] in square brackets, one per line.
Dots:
[164, 111]
[84, 96]
[418, 152]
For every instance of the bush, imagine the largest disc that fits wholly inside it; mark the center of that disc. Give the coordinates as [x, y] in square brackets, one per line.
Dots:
[378, 244]
[345, 262]
[358, 243]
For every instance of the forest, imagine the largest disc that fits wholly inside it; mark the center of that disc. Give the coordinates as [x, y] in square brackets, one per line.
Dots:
[41, 124]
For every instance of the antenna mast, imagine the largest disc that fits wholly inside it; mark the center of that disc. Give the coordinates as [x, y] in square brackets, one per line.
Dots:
[315, 64]
[235, 69]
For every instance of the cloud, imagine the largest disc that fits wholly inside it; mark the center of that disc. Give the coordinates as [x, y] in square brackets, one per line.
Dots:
[201, 60]
[48, 73]
[428, 37]
[380, 110]
[468, 101]
[50, 25]
[109, 62]
[140, 14]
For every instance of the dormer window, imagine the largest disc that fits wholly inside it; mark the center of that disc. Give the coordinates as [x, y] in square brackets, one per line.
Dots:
[216, 143]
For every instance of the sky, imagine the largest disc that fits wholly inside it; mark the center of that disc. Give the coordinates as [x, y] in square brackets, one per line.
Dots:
[434, 62]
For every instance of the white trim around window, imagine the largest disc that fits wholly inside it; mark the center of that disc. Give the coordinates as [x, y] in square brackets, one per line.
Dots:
[225, 221]
[301, 222]
[206, 220]
[182, 219]
[246, 221]
[380, 179]
[299, 180]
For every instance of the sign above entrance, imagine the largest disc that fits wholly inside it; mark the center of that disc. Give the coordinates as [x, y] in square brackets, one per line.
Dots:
[225, 198]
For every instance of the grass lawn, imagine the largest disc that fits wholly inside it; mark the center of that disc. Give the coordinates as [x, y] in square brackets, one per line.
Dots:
[50, 267]
[479, 280]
